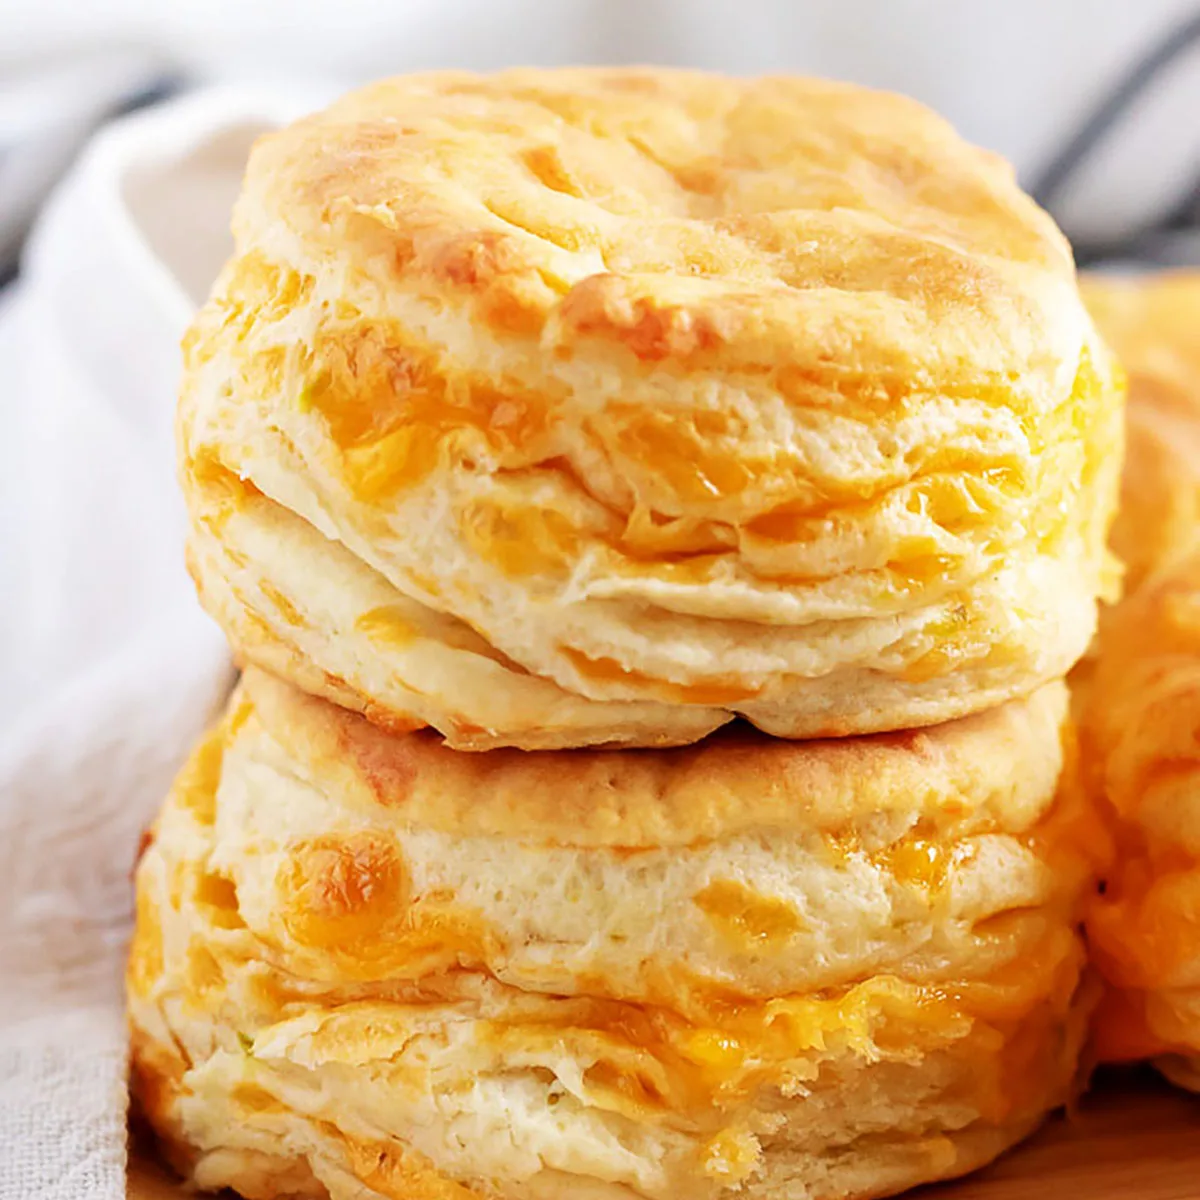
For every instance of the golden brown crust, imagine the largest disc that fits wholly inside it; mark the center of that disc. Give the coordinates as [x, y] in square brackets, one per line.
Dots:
[994, 769]
[481, 187]
[1153, 325]
[677, 393]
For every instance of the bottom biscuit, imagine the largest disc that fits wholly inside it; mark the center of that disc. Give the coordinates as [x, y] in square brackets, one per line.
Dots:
[326, 1001]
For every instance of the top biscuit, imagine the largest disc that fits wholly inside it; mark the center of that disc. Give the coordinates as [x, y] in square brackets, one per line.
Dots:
[599, 406]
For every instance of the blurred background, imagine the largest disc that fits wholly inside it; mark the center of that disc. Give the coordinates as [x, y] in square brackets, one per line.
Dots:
[1097, 102]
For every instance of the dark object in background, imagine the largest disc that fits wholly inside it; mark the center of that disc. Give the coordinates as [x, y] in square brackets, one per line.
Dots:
[58, 113]
[1173, 237]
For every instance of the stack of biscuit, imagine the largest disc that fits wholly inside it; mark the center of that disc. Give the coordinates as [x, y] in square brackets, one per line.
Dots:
[655, 514]
[1141, 714]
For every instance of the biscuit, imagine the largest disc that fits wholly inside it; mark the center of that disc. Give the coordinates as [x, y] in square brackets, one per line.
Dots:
[1142, 733]
[1153, 325]
[582, 407]
[1140, 696]
[366, 965]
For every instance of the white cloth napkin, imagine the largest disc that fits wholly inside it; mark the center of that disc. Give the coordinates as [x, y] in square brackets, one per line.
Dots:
[108, 669]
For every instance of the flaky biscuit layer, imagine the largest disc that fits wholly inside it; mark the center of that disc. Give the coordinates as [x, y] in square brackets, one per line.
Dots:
[627, 401]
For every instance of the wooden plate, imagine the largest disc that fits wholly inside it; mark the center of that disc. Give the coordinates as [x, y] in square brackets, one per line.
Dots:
[1133, 1138]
